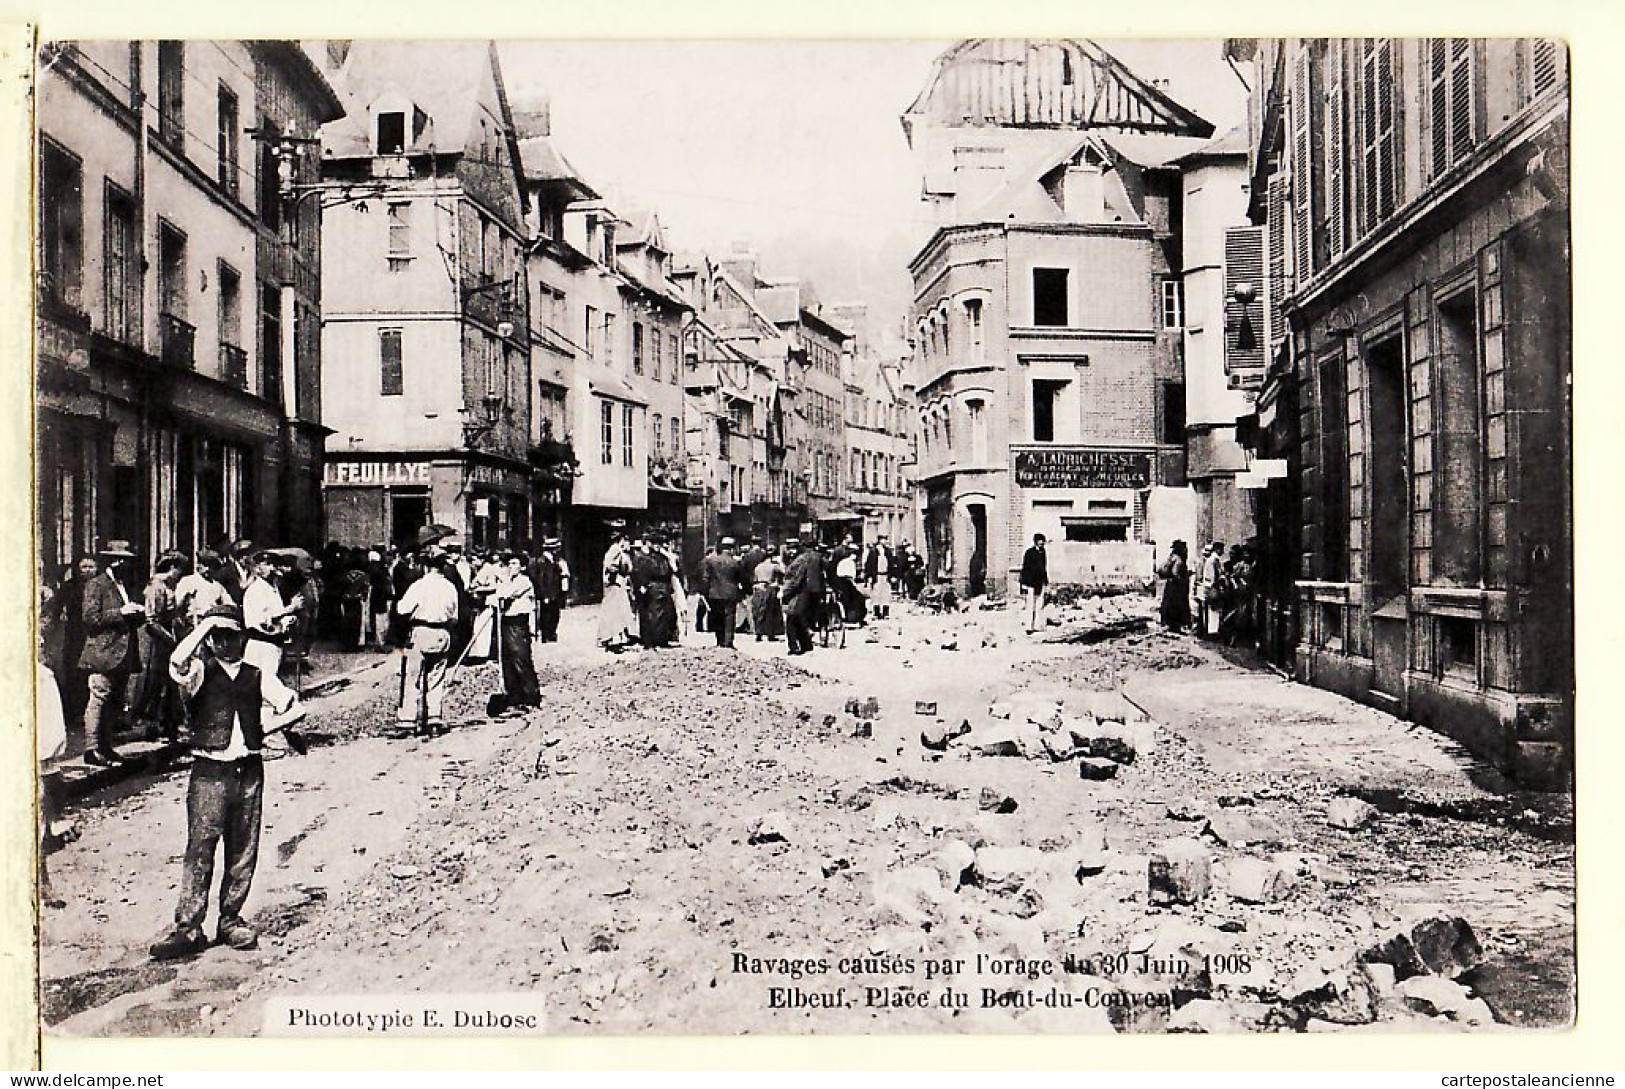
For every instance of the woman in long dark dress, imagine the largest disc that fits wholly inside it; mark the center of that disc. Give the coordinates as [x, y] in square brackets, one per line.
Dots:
[652, 595]
[1175, 610]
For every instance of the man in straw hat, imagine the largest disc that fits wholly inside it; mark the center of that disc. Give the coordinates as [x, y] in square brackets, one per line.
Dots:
[108, 656]
[227, 698]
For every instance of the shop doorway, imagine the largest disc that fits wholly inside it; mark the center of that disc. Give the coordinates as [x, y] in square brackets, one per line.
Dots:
[408, 513]
[978, 555]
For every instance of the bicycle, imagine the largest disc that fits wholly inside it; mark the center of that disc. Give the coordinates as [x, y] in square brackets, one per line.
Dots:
[830, 620]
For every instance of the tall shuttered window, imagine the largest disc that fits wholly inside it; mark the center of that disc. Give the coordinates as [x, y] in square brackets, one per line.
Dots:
[1335, 142]
[1378, 164]
[1244, 296]
[1299, 107]
[1541, 66]
[1275, 285]
[1452, 95]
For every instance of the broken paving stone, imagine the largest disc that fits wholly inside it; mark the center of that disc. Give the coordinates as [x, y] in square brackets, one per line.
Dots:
[1435, 996]
[403, 872]
[602, 942]
[1438, 945]
[833, 866]
[924, 707]
[771, 828]
[994, 801]
[935, 737]
[1341, 993]
[1187, 811]
[953, 860]
[1235, 829]
[1350, 814]
[1207, 1015]
[1256, 881]
[1096, 768]
[1179, 873]
[1029, 902]
[864, 729]
[1004, 870]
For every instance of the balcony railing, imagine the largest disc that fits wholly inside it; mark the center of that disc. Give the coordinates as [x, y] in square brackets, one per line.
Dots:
[178, 341]
[234, 365]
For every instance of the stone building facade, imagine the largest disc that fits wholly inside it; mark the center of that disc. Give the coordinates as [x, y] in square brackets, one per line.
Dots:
[1415, 197]
[178, 288]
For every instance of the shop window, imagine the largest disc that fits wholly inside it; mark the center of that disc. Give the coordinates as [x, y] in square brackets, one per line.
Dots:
[1049, 296]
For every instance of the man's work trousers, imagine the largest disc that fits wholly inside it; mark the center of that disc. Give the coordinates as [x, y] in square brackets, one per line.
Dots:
[724, 616]
[223, 802]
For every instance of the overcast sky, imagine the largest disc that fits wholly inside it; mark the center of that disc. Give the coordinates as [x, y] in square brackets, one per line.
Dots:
[793, 147]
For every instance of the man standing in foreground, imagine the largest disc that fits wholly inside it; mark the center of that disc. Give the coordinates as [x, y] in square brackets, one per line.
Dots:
[429, 605]
[719, 582]
[515, 597]
[1034, 581]
[225, 795]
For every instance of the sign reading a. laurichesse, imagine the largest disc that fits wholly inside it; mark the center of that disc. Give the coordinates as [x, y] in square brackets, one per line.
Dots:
[1071, 467]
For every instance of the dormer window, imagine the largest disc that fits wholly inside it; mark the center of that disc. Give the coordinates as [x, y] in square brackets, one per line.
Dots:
[391, 133]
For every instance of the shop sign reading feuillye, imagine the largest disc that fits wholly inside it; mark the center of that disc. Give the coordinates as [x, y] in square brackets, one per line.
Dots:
[377, 472]
[1070, 467]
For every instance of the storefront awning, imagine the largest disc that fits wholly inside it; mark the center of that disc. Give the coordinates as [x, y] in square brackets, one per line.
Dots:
[840, 516]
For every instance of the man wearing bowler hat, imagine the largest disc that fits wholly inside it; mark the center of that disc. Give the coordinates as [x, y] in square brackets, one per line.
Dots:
[550, 576]
[719, 582]
[108, 656]
[228, 699]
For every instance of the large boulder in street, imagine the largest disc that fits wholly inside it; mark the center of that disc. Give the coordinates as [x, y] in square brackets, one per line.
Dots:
[1440, 945]
[1256, 880]
[1242, 828]
[1106, 706]
[1336, 989]
[1179, 873]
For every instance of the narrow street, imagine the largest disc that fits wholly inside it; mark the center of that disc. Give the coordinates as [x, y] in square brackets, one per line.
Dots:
[667, 843]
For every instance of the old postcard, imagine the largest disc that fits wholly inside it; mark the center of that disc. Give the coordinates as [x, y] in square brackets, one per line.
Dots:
[1054, 535]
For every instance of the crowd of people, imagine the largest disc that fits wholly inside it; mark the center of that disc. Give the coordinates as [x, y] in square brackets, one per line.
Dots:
[1216, 599]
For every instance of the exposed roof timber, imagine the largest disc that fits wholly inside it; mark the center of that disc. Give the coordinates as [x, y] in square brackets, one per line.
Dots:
[1055, 83]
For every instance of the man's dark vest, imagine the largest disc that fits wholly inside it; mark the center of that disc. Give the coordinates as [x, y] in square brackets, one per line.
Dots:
[218, 698]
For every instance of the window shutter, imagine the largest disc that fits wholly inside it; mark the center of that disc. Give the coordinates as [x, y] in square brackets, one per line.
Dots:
[1439, 104]
[1461, 98]
[1300, 105]
[1387, 130]
[1275, 283]
[1543, 65]
[1336, 150]
[1245, 334]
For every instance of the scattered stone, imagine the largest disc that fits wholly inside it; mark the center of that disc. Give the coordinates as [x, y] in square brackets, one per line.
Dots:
[992, 801]
[602, 942]
[1179, 873]
[1004, 870]
[864, 728]
[999, 709]
[913, 895]
[1029, 902]
[834, 866]
[401, 873]
[1135, 1011]
[1350, 814]
[771, 828]
[1435, 996]
[1232, 829]
[954, 861]
[1255, 881]
[935, 737]
[1096, 768]
[1189, 811]
[1234, 801]
[1092, 852]
[1340, 992]
[1438, 945]
[925, 707]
